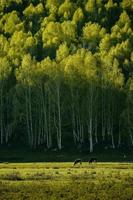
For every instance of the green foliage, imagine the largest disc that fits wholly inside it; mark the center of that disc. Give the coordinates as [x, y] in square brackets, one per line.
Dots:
[69, 31]
[11, 23]
[4, 45]
[127, 5]
[55, 33]
[5, 68]
[52, 6]
[78, 16]
[52, 35]
[66, 70]
[92, 35]
[66, 9]
[62, 52]
[31, 11]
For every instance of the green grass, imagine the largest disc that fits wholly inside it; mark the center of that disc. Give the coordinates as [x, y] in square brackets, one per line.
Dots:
[55, 181]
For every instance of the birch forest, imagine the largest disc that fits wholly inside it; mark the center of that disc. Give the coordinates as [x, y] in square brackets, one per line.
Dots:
[66, 73]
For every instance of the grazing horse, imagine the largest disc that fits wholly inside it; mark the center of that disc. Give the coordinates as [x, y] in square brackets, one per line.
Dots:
[77, 161]
[92, 160]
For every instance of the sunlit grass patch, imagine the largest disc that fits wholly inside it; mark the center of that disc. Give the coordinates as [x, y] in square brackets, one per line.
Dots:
[14, 176]
[65, 181]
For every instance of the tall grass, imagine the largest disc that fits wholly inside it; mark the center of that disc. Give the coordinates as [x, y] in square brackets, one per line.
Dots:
[55, 181]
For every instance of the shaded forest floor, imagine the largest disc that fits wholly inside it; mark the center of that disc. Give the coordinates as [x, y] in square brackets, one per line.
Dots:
[54, 181]
[26, 155]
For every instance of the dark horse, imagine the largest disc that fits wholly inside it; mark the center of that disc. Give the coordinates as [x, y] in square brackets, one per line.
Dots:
[92, 160]
[77, 161]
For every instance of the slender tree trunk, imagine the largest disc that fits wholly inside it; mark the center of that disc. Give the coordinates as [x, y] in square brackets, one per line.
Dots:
[91, 139]
[90, 135]
[59, 118]
[1, 116]
[73, 119]
[131, 137]
[49, 120]
[112, 121]
[27, 117]
[103, 116]
[39, 120]
[44, 115]
[119, 137]
[130, 134]
[112, 139]
[30, 116]
[91, 118]
[96, 137]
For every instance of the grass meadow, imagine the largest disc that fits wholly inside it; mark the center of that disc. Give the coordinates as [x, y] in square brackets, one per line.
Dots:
[55, 181]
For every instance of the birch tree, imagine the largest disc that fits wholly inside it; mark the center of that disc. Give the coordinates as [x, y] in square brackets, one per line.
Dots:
[5, 71]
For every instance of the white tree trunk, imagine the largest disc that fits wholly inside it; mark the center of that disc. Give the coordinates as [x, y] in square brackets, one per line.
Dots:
[59, 135]
[96, 137]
